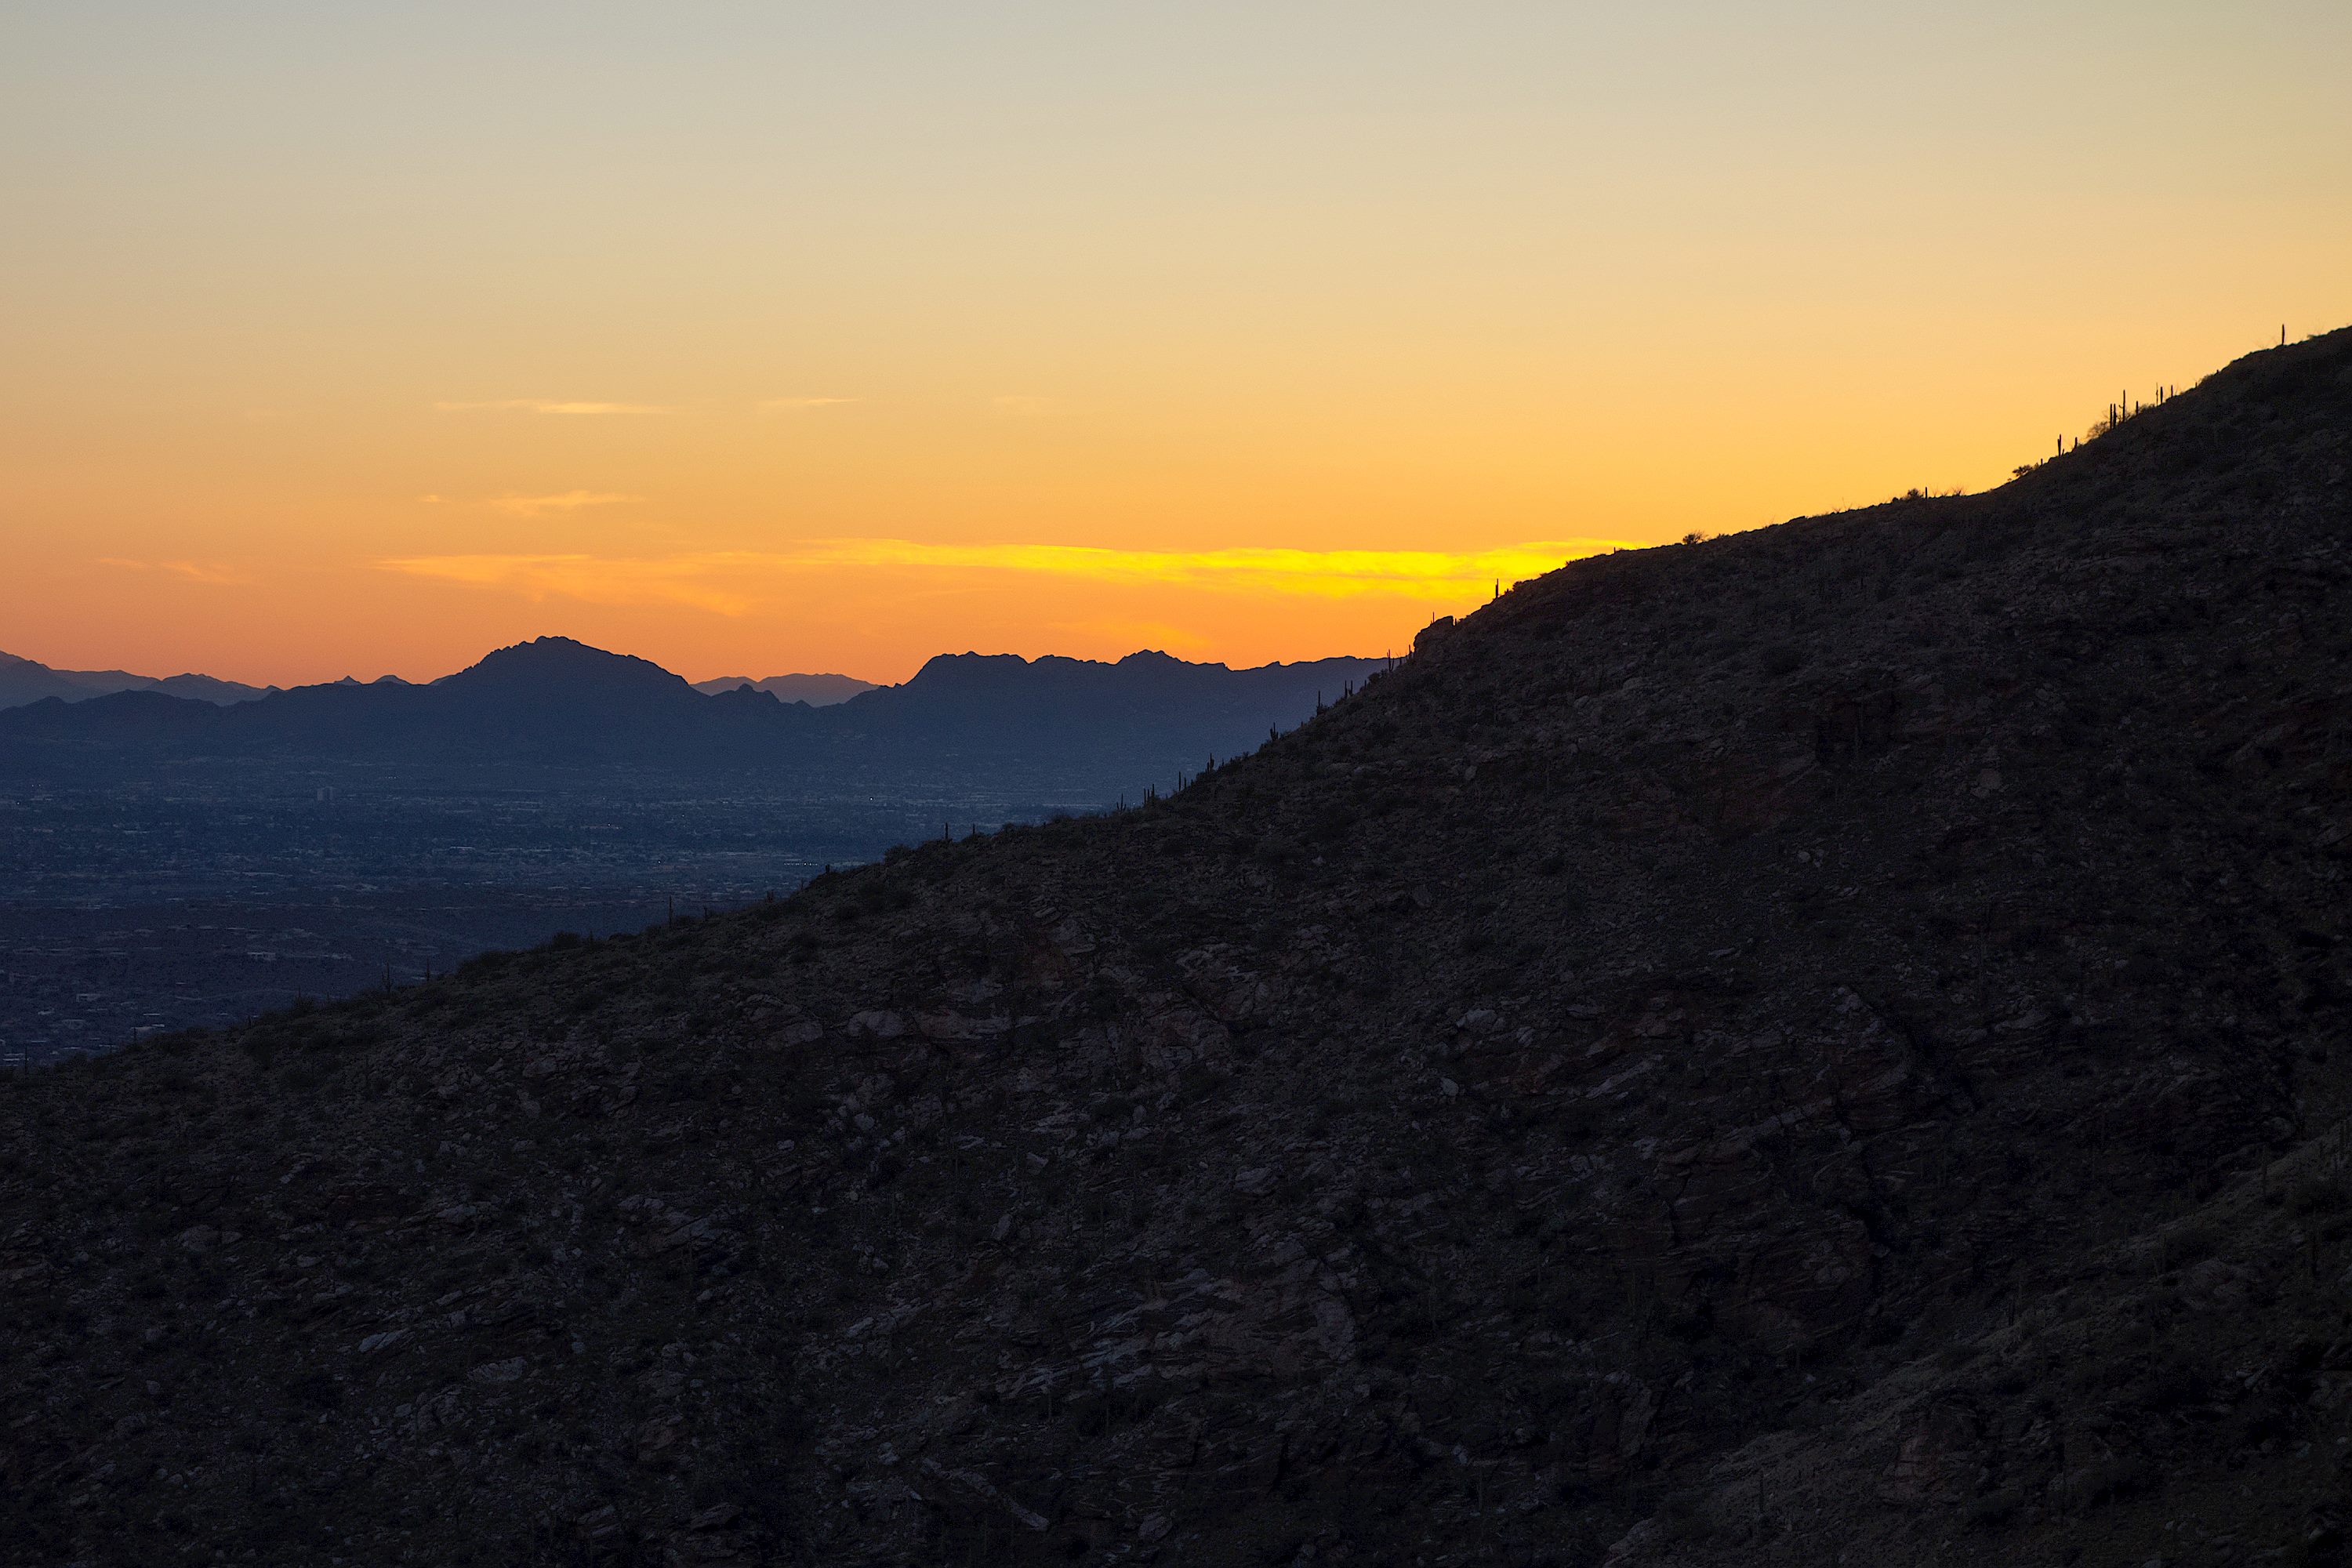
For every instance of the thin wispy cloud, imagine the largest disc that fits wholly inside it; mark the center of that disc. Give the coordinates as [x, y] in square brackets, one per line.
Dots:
[799, 404]
[736, 581]
[1327, 574]
[1112, 629]
[570, 500]
[545, 405]
[695, 581]
[207, 572]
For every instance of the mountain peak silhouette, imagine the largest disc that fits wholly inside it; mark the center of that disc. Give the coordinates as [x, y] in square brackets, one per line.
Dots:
[560, 666]
[557, 700]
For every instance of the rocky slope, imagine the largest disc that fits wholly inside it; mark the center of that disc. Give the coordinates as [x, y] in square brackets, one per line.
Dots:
[1821, 1045]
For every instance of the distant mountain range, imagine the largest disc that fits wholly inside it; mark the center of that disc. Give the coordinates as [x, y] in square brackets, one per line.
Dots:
[555, 702]
[23, 680]
[816, 691]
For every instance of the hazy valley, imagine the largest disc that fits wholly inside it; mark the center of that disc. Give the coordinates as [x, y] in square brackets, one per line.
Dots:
[163, 862]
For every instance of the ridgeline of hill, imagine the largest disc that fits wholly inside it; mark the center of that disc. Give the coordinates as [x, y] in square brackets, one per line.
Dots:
[1825, 1045]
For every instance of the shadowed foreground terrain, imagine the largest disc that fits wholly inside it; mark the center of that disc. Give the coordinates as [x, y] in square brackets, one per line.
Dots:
[1821, 1046]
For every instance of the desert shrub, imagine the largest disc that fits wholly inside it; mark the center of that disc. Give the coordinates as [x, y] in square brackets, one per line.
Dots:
[2188, 1244]
[2103, 1482]
[1682, 1516]
[317, 1389]
[2321, 1194]
[1276, 851]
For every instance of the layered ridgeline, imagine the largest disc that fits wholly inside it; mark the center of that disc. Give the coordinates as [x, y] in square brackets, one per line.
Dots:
[556, 703]
[1829, 1042]
[23, 680]
[816, 691]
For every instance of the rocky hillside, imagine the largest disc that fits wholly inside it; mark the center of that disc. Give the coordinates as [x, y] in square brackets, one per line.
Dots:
[1828, 1045]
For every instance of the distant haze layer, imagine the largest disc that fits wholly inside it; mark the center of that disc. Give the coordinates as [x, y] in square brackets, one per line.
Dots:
[23, 680]
[816, 691]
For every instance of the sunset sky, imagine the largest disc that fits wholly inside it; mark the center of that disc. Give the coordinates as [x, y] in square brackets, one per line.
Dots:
[752, 338]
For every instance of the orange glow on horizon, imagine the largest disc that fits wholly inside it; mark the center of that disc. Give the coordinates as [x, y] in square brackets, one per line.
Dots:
[341, 343]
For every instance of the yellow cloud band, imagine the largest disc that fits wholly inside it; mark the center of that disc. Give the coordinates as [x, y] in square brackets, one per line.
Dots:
[193, 571]
[722, 580]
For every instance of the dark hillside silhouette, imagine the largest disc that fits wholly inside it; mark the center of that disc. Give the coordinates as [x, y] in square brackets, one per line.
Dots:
[1823, 1044]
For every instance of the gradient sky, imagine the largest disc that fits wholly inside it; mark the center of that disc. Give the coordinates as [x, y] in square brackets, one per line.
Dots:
[353, 339]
